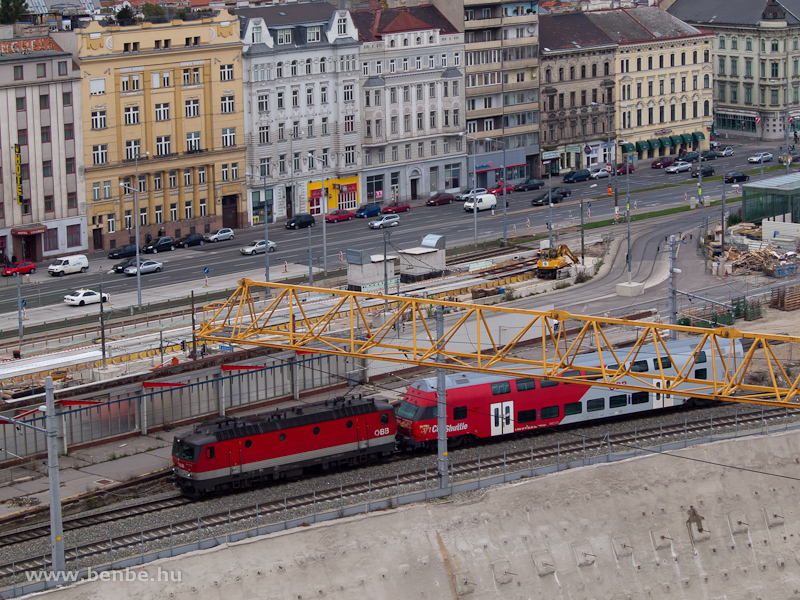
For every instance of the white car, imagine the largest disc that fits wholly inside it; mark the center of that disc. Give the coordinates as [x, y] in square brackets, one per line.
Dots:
[600, 174]
[385, 221]
[148, 266]
[258, 247]
[470, 193]
[760, 157]
[678, 167]
[219, 235]
[727, 152]
[84, 296]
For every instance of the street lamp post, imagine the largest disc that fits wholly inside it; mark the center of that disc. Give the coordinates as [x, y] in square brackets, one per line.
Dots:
[628, 208]
[594, 185]
[474, 175]
[505, 226]
[266, 229]
[608, 108]
[786, 123]
[324, 201]
[135, 190]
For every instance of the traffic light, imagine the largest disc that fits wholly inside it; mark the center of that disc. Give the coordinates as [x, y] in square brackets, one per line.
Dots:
[183, 345]
[609, 190]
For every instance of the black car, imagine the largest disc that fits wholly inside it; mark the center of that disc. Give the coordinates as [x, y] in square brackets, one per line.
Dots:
[689, 156]
[161, 244]
[301, 221]
[709, 155]
[190, 239]
[529, 184]
[123, 251]
[122, 265]
[735, 177]
[563, 191]
[543, 199]
[576, 176]
[707, 171]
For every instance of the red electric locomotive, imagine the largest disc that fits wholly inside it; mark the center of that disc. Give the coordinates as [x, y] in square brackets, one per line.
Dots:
[236, 452]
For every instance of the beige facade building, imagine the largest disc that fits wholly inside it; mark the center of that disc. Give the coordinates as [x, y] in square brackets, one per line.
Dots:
[164, 125]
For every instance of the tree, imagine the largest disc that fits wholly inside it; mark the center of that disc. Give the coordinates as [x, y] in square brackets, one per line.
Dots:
[124, 14]
[152, 10]
[11, 10]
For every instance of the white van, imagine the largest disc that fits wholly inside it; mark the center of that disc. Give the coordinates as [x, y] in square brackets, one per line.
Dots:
[483, 202]
[77, 263]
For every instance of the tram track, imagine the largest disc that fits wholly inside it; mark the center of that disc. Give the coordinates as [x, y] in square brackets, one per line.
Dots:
[276, 510]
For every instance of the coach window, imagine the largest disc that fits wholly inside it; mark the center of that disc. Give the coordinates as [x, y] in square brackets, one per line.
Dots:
[666, 363]
[595, 405]
[573, 408]
[701, 373]
[543, 383]
[641, 397]
[526, 416]
[210, 452]
[349, 424]
[550, 412]
[701, 357]
[385, 419]
[502, 387]
[639, 366]
[524, 385]
[316, 430]
[618, 401]
[282, 437]
[248, 443]
[574, 374]
[459, 413]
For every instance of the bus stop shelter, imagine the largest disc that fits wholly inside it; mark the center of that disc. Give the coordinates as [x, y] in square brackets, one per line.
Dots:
[771, 198]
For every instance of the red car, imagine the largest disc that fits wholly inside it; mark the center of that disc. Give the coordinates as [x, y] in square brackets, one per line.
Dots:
[396, 207]
[663, 163]
[339, 215]
[498, 189]
[22, 268]
[440, 198]
[621, 168]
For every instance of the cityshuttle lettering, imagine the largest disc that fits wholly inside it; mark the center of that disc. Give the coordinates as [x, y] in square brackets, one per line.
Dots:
[450, 428]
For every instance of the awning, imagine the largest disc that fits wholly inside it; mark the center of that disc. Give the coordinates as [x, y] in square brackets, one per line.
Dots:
[654, 143]
[642, 146]
[666, 142]
[627, 148]
[677, 140]
[33, 229]
[687, 138]
[698, 135]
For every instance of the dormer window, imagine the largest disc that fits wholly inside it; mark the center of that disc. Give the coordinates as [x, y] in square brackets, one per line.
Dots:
[257, 34]
[405, 41]
[313, 34]
[430, 40]
[284, 37]
[392, 44]
[341, 25]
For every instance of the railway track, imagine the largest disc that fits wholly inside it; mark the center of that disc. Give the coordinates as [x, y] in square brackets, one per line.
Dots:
[277, 510]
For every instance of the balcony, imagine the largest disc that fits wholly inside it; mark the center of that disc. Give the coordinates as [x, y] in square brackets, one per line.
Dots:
[485, 113]
[486, 90]
[473, 24]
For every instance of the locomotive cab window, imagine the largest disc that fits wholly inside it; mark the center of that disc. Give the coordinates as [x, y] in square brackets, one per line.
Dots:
[526, 416]
[701, 357]
[406, 410]
[210, 452]
[573, 408]
[641, 397]
[524, 385]
[618, 401]
[185, 452]
[459, 413]
[595, 404]
[501, 387]
[384, 418]
[550, 412]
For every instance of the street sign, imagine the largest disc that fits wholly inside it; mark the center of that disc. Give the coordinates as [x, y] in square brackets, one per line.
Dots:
[225, 348]
[205, 270]
[587, 150]
[590, 205]
[550, 154]
[24, 303]
[545, 162]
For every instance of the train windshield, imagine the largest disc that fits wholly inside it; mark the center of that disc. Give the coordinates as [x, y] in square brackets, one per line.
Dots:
[185, 452]
[412, 412]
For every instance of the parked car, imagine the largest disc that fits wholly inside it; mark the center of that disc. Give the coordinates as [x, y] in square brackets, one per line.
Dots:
[529, 184]
[161, 244]
[384, 221]
[220, 235]
[728, 151]
[760, 157]
[373, 209]
[564, 191]
[498, 189]
[709, 155]
[736, 177]
[396, 207]
[600, 174]
[464, 196]
[440, 198]
[714, 144]
[300, 221]
[336, 216]
[22, 267]
[706, 170]
[792, 158]
[689, 157]
[84, 296]
[258, 247]
[147, 266]
[123, 251]
[625, 168]
[190, 239]
[579, 175]
[543, 199]
[78, 263]
[123, 264]
[663, 162]
[678, 167]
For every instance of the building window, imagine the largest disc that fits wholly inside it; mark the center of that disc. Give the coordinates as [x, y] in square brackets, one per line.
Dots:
[224, 171]
[225, 73]
[131, 115]
[96, 86]
[98, 119]
[162, 112]
[193, 141]
[349, 155]
[173, 211]
[227, 104]
[47, 168]
[44, 101]
[173, 180]
[284, 37]
[96, 191]
[41, 70]
[348, 92]
[100, 154]
[187, 210]
[201, 175]
[314, 34]
[20, 103]
[163, 145]
[132, 149]
[157, 185]
[203, 209]
[159, 215]
[143, 216]
[107, 189]
[349, 124]
[18, 74]
[192, 108]
[111, 223]
[187, 177]
[341, 25]
[73, 236]
[66, 98]
[69, 165]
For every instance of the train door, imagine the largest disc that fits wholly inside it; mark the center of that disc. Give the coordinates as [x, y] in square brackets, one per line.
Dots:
[502, 417]
[235, 458]
[362, 431]
[658, 397]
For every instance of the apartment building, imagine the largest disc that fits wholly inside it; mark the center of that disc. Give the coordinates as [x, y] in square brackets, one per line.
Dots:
[413, 103]
[502, 81]
[756, 62]
[303, 113]
[163, 112]
[577, 91]
[663, 81]
[42, 201]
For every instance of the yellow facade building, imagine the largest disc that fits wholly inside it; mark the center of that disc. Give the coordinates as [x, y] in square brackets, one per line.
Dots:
[163, 122]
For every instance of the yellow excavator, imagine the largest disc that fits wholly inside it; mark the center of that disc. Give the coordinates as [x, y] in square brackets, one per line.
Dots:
[552, 260]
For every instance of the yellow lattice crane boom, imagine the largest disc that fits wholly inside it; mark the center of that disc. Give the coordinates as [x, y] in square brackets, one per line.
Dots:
[339, 322]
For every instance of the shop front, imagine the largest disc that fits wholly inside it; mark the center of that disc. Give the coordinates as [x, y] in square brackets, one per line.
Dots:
[258, 200]
[339, 194]
[27, 242]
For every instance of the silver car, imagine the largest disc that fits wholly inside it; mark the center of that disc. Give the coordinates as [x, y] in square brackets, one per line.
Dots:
[219, 235]
[678, 167]
[148, 266]
[760, 157]
[728, 151]
[258, 247]
[385, 221]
